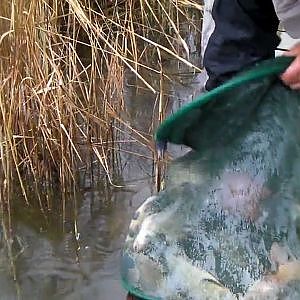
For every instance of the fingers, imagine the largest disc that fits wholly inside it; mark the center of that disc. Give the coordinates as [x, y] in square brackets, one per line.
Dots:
[294, 51]
[291, 76]
[295, 86]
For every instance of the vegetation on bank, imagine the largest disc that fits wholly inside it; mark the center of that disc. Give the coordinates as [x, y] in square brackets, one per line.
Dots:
[62, 66]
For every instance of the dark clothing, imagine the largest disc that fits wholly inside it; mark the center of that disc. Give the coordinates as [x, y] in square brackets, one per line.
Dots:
[245, 32]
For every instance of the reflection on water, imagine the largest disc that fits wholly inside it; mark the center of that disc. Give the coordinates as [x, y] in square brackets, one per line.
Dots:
[49, 262]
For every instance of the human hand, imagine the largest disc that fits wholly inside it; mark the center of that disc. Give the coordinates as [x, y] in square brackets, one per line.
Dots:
[291, 76]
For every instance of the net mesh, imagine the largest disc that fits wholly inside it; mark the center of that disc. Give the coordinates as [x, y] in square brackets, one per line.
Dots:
[227, 224]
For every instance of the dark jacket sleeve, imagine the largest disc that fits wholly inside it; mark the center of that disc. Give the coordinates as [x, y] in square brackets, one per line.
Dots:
[245, 32]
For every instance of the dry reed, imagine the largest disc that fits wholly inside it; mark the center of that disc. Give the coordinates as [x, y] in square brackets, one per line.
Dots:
[61, 82]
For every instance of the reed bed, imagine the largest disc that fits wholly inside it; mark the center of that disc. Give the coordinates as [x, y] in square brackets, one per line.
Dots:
[62, 68]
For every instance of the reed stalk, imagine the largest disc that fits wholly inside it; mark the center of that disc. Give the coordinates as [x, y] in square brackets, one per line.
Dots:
[62, 68]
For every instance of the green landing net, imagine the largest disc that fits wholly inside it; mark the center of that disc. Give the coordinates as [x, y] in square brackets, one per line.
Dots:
[228, 105]
[230, 212]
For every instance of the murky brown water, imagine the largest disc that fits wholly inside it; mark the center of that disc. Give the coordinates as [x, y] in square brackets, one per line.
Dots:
[50, 263]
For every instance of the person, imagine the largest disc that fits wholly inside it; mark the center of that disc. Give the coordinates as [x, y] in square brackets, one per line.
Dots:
[238, 33]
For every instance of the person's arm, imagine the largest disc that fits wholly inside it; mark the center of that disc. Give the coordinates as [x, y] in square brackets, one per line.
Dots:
[291, 76]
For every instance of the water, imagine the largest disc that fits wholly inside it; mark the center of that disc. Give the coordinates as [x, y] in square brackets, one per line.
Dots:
[51, 264]
[50, 260]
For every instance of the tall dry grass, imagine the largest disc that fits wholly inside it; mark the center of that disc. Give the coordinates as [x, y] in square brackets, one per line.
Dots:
[61, 82]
